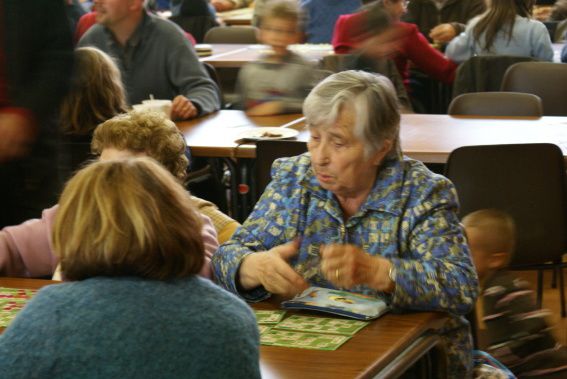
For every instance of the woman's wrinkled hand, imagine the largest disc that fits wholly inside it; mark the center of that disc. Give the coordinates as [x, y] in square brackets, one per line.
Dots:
[347, 266]
[272, 271]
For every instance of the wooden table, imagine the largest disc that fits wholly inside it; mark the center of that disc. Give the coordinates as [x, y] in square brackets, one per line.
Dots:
[241, 16]
[385, 348]
[426, 137]
[237, 55]
[217, 136]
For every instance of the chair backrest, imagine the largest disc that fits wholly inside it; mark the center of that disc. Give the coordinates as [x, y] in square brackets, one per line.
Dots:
[496, 104]
[198, 26]
[483, 73]
[232, 34]
[544, 79]
[528, 182]
[267, 152]
[337, 62]
[213, 74]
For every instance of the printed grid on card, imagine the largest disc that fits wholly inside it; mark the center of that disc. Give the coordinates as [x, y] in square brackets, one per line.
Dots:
[302, 340]
[321, 325]
[264, 328]
[11, 302]
[269, 317]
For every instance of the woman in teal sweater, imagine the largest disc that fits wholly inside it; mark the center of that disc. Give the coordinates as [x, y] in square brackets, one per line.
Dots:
[134, 306]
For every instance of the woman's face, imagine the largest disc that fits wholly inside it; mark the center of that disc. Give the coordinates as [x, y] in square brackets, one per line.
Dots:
[338, 159]
[395, 8]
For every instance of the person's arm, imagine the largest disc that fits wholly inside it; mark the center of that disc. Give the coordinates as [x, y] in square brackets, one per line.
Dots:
[438, 273]
[189, 77]
[210, 243]
[541, 42]
[26, 250]
[37, 67]
[270, 225]
[427, 58]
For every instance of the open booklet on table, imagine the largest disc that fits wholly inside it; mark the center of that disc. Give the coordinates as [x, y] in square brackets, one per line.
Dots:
[338, 302]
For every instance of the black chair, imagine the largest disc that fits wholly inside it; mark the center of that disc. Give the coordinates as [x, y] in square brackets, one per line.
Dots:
[484, 73]
[488, 104]
[266, 153]
[194, 17]
[213, 74]
[544, 79]
[528, 182]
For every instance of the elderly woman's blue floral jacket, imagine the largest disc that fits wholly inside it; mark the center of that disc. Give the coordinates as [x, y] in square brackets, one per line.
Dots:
[410, 218]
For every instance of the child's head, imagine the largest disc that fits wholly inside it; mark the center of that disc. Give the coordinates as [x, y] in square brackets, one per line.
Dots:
[491, 236]
[280, 25]
[96, 93]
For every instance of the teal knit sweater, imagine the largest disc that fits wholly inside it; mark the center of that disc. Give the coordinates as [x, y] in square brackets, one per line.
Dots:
[132, 328]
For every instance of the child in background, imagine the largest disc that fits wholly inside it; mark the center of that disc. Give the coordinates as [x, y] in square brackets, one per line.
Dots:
[518, 334]
[280, 80]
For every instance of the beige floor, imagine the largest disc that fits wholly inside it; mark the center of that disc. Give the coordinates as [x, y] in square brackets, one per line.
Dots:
[550, 301]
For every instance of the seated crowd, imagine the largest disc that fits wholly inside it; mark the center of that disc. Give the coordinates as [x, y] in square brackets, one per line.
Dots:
[146, 266]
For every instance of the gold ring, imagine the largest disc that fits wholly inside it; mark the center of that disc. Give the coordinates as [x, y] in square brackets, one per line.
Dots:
[337, 274]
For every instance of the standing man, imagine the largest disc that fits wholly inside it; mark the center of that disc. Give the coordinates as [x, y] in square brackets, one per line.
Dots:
[154, 56]
[35, 64]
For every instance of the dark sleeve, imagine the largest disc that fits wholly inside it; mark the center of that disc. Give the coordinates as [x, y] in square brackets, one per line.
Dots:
[564, 54]
[39, 54]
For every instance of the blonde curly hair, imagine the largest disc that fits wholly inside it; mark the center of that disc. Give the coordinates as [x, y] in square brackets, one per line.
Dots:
[150, 133]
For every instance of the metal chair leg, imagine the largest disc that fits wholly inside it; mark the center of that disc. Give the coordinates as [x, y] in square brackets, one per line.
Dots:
[561, 290]
[539, 287]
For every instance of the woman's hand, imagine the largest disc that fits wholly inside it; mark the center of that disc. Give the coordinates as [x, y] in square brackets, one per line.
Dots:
[347, 266]
[443, 33]
[271, 270]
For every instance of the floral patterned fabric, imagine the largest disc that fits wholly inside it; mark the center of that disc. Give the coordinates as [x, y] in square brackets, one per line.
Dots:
[410, 218]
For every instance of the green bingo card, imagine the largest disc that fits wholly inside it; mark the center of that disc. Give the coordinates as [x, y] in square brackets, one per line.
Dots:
[12, 300]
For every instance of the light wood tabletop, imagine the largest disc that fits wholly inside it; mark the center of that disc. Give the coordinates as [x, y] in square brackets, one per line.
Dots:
[426, 137]
[241, 16]
[217, 135]
[384, 348]
[237, 55]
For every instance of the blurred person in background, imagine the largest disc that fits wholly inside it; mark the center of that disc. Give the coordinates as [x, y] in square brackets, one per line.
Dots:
[321, 16]
[129, 241]
[506, 28]
[281, 79]
[35, 61]
[442, 20]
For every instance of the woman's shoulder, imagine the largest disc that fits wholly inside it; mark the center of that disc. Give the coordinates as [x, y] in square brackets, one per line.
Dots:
[291, 167]
[422, 183]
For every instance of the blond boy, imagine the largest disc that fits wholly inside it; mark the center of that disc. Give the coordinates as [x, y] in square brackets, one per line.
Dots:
[280, 80]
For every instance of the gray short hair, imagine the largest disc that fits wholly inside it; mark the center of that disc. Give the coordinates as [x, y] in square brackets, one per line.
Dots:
[373, 99]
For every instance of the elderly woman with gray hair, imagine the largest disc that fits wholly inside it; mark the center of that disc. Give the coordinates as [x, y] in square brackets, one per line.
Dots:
[373, 221]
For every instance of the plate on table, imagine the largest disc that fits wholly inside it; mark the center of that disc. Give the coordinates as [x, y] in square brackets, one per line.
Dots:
[268, 133]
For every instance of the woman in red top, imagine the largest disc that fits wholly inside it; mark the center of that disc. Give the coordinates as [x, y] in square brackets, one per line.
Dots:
[366, 31]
